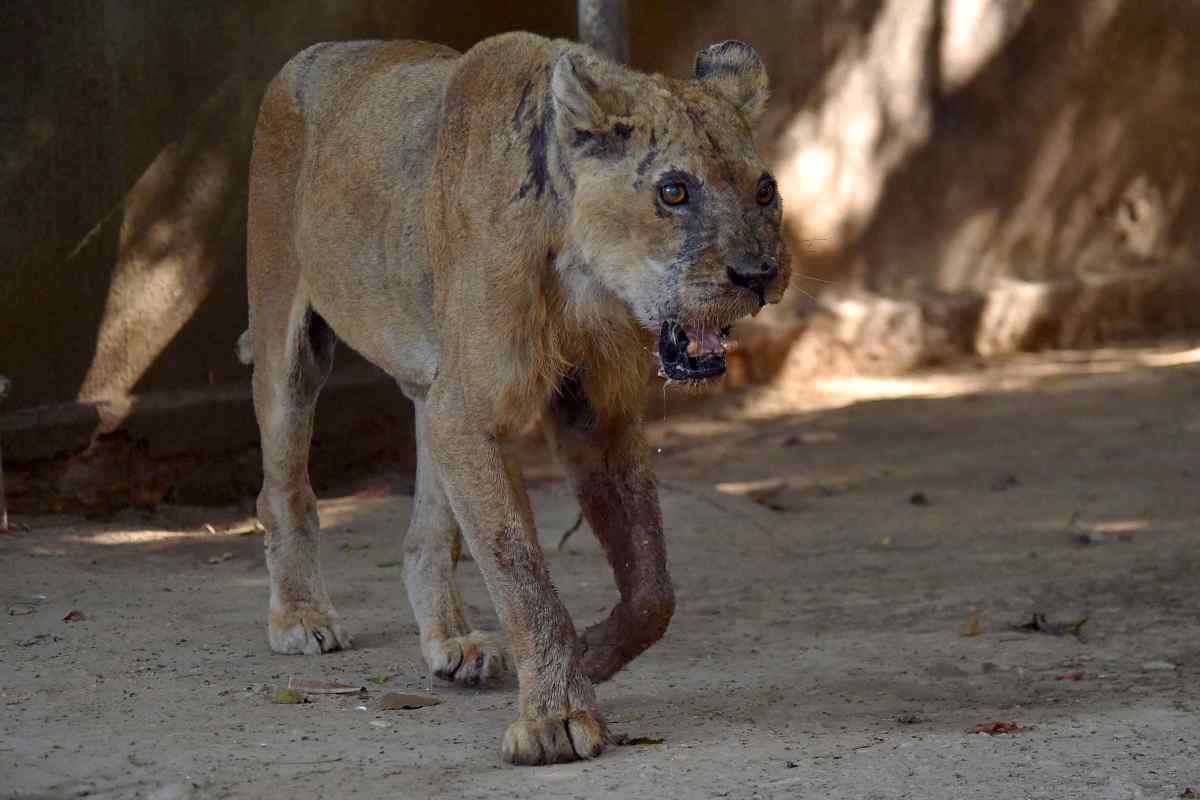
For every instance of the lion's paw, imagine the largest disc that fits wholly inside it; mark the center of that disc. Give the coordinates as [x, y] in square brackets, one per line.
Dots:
[470, 660]
[306, 630]
[554, 740]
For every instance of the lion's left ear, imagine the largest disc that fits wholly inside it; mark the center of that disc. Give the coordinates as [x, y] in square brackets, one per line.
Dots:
[736, 71]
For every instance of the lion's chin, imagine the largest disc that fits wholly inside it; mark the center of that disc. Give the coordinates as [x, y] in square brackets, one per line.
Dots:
[691, 354]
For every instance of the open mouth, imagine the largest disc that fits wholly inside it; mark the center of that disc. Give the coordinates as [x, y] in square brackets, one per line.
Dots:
[691, 354]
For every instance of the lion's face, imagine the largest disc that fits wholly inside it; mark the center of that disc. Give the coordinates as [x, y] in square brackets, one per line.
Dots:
[674, 211]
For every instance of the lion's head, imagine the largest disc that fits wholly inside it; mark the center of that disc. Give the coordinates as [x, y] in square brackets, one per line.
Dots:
[674, 211]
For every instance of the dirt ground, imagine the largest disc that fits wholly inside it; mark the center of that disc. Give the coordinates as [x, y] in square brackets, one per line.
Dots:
[832, 543]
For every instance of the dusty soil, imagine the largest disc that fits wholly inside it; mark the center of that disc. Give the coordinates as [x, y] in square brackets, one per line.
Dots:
[830, 544]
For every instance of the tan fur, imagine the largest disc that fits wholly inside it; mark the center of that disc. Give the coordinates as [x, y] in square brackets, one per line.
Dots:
[487, 228]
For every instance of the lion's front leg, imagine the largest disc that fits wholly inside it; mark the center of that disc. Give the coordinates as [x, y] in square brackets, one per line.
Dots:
[606, 462]
[453, 651]
[558, 719]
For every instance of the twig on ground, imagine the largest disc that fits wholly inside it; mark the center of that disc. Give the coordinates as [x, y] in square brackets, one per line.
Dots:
[567, 533]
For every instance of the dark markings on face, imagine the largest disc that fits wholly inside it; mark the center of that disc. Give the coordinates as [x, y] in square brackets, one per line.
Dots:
[716, 148]
[519, 114]
[538, 143]
[690, 215]
[605, 145]
[647, 159]
[564, 167]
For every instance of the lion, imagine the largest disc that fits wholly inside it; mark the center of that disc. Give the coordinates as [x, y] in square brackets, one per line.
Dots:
[503, 231]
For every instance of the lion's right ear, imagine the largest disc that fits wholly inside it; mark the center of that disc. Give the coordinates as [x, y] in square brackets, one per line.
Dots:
[735, 70]
[577, 94]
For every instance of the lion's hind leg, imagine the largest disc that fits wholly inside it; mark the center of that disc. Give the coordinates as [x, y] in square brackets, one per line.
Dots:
[292, 360]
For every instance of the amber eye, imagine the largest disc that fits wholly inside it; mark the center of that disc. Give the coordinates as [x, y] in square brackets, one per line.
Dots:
[673, 194]
[766, 193]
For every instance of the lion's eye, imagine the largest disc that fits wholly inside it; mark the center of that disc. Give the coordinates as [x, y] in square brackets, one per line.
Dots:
[673, 194]
[766, 193]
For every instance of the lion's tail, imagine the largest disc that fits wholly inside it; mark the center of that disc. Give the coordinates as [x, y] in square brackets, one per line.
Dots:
[245, 351]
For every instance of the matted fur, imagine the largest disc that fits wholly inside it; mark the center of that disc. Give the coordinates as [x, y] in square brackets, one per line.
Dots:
[488, 229]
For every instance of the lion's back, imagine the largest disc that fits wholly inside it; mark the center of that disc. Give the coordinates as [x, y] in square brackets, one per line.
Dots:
[323, 78]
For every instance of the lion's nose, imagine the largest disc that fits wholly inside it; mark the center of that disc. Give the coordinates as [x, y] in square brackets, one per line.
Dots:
[756, 277]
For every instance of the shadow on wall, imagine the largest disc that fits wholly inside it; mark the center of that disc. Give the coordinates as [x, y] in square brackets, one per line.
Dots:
[124, 171]
[984, 176]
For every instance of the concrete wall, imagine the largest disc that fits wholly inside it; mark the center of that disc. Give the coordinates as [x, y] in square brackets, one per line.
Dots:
[123, 153]
[969, 175]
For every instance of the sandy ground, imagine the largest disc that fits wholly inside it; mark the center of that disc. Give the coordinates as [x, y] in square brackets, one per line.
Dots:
[829, 545]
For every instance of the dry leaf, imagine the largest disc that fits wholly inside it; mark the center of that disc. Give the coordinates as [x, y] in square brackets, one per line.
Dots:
[1071, 676]
[74, 615]
[287, 697]
[758, 491]
[973, 626]
[1040, 624]
[380, 679]
[394, 701]
[997, 727]
[761, 492]
[321, 687]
